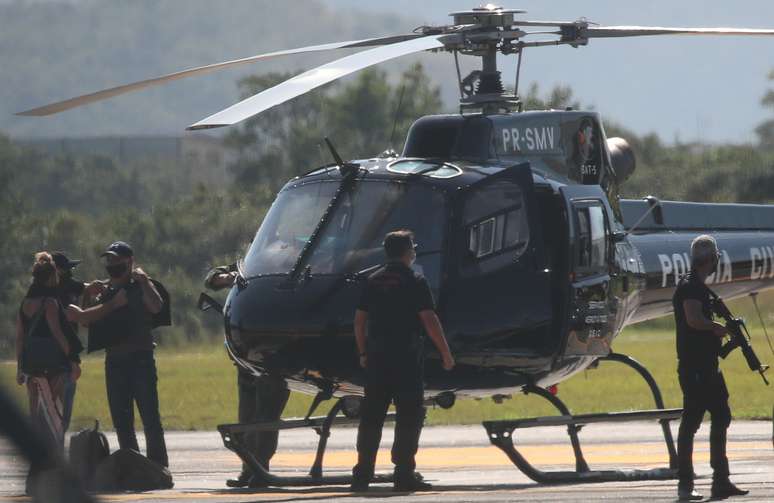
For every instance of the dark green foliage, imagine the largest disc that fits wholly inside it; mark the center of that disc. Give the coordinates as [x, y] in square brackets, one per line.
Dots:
[178, 228]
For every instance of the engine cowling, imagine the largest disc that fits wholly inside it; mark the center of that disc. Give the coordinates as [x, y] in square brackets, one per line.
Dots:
[622, 158]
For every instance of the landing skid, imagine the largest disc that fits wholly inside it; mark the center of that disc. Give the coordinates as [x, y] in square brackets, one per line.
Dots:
[233, 439]
[501, 434]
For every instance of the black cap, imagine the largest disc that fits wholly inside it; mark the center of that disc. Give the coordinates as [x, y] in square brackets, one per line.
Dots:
[119, 249]
[62, 262]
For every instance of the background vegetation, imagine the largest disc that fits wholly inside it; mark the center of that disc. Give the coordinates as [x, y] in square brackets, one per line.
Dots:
[180, 228]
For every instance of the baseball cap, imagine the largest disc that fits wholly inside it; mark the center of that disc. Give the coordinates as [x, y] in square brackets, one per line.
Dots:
[62, 262]
[119, 249]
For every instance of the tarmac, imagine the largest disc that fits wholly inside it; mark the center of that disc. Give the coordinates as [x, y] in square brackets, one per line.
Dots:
[458, 460]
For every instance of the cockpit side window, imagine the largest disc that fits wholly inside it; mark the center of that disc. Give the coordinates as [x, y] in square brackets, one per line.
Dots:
[593, 238]
[495, 219]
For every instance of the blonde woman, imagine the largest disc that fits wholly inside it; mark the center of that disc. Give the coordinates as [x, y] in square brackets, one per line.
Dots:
[44, 350]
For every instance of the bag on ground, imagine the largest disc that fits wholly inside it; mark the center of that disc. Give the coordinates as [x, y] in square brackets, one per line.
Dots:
[87, 450]
[128, 470]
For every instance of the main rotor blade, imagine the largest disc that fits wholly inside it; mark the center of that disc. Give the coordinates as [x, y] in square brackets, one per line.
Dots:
[314, 78]
[639, 31]
[85, 99]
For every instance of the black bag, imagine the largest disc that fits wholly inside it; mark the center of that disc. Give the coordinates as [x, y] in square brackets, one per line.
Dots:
[164, 317]
[42, 354]
[128, 470]
[87, 449]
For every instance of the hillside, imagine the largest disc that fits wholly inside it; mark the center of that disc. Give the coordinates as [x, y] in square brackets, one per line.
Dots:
[54, 50]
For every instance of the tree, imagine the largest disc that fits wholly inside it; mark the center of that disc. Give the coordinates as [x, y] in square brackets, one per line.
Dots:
[765, 130]
[362, 119]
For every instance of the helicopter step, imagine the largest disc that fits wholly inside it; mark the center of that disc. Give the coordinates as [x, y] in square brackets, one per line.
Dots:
[233, 439]
[501, 435]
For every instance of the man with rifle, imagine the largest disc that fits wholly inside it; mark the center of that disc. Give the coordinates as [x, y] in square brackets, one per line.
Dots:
[699, 343]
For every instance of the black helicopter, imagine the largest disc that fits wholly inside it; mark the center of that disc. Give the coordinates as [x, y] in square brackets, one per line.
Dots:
[535, 261]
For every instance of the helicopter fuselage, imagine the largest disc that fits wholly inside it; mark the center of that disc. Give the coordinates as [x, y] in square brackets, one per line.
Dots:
[532, 258]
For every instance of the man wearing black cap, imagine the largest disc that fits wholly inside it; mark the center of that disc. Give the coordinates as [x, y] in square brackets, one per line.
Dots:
[130, 369]
[70, 291]
[395, 307]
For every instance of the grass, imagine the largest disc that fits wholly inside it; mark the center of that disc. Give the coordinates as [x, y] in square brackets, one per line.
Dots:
[197, 388]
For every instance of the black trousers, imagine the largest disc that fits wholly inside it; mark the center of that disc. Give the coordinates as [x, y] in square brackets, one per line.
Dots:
[131, 379]
[704, 390]
[261, 399]
[390, 380]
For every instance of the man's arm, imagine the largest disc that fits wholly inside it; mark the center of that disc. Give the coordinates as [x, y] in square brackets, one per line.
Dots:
[150, 296]
[220, 277]
[695, 318]
[96, 313]
[361, 322]
[435, 331]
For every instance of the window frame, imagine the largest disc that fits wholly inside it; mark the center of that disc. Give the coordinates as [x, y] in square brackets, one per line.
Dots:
[494, 251]
[590, 269]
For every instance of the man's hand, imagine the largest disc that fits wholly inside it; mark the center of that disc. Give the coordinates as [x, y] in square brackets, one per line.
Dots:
[719, 329]
[94, 288]
[20, 377]
[448, 362]
[140, 275]
[363, 361]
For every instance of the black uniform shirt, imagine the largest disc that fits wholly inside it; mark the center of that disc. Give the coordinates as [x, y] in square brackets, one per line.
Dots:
[695, 348]
[393, 297]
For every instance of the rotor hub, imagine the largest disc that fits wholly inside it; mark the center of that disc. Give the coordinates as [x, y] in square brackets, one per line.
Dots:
[486, 15]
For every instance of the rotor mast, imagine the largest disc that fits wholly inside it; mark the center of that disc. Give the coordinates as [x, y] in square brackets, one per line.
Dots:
[483, 90]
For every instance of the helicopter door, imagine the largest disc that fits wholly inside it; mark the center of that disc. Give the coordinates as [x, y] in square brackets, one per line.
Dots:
[590, 306]
[498, 298]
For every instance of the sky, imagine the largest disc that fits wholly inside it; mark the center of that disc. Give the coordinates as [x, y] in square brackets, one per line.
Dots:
[705, 89]
[687, 88]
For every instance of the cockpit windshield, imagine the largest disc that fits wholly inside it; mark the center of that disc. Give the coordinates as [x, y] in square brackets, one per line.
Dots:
[352, 240]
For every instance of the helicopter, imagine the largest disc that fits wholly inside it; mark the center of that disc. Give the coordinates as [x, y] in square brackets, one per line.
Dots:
[536, 262]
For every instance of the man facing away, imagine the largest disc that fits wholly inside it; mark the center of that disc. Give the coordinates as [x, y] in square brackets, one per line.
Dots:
[395, 306]
[261, 398]
[704, 389]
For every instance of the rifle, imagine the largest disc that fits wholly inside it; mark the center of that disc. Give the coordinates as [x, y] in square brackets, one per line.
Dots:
[740, 337]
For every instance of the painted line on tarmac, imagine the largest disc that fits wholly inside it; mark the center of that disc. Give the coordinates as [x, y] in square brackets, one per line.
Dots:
[449, 457]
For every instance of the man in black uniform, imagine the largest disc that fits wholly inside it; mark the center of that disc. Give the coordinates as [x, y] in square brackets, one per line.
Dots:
[261, 398]
[396, 304]
[704, 389]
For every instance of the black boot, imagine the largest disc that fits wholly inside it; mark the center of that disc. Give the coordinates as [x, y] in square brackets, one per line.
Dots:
[723, 489]
[241, 481]
[686, 492]
[409, 482]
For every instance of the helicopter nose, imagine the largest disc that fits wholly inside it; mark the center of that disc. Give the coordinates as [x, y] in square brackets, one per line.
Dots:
[269, 315]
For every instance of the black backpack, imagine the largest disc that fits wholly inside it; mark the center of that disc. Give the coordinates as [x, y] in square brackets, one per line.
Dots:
[128, 470]
[87, 449]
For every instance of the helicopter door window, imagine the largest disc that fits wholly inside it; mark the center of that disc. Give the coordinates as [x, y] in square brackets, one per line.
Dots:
[593, 238]
[495, 239]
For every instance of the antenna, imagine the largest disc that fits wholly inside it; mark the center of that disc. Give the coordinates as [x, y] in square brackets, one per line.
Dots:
[346, 168]
[397, 114]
